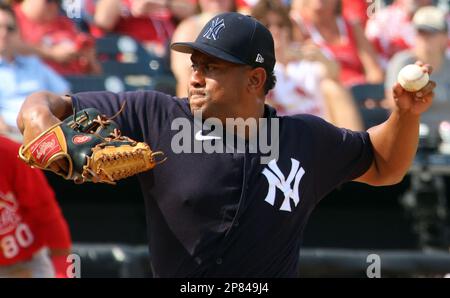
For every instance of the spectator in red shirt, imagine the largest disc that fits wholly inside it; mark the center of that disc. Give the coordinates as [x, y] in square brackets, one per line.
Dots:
[55, 38]
[148, 21]
[306, 79]
[322, 22]
[356, 10]
[34, 237]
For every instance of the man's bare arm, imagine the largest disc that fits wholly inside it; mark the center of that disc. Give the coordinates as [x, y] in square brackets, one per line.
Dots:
[107, 14]
[395, 141]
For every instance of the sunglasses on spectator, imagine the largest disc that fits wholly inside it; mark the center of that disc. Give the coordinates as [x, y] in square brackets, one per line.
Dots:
[429, 32]
[276, 24]
[9, 27]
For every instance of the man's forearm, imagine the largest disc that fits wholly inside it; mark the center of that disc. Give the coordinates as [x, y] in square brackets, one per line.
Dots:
[44, 103]
[40, 111]
[107, 14]
[395, 144]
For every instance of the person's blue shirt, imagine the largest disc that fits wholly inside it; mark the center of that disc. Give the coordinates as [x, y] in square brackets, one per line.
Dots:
[21, 77]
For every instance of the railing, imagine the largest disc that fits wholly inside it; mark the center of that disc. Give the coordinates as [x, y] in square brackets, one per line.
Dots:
[111, 260]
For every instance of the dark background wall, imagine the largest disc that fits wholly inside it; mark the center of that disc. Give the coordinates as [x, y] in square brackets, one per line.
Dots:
[353, 216]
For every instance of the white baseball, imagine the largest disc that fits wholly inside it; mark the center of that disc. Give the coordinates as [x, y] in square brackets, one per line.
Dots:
[412, 78]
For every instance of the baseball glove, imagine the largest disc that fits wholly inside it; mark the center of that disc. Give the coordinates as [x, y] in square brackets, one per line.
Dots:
[92, 149]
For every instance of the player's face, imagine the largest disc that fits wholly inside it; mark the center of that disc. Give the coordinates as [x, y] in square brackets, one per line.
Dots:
[217, 87]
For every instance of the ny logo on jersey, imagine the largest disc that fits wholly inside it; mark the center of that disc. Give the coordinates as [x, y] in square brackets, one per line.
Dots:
[214, 29]
[276, 180]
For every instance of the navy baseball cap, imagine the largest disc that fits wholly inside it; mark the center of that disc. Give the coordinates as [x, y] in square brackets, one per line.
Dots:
[235, 38]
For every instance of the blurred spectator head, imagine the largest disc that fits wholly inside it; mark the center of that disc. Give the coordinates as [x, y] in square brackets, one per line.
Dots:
[411, 6]
[275, 16]
[216, 6]
[8, 28]
[318, 7]
[41, 10]
[432, 30]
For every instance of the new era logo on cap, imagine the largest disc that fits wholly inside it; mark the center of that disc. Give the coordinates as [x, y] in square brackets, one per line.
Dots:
[259, 58]
[214, 29]
[235, 38]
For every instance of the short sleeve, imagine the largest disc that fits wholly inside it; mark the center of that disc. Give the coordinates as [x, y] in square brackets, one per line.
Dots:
[144, 115]
[340, 155]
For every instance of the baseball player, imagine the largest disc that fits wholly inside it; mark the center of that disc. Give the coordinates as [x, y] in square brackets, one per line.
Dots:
[34, 237]
[229, 214]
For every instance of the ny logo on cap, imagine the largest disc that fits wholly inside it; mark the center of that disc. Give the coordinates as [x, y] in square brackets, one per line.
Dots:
[214, 29]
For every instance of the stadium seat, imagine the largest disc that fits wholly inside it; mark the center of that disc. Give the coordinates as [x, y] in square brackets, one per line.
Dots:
[116, 83]
[368, 97]
[115, 67]
[127, 50]
[127, 59]
[113, 261]
[96, 83]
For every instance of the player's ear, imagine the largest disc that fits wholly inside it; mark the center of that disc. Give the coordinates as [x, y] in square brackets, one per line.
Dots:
[256, 79]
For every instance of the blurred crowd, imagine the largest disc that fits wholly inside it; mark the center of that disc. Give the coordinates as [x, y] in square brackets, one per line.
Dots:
[324, 48]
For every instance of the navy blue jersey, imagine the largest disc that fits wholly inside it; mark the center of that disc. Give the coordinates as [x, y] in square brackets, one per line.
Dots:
[228, 214]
